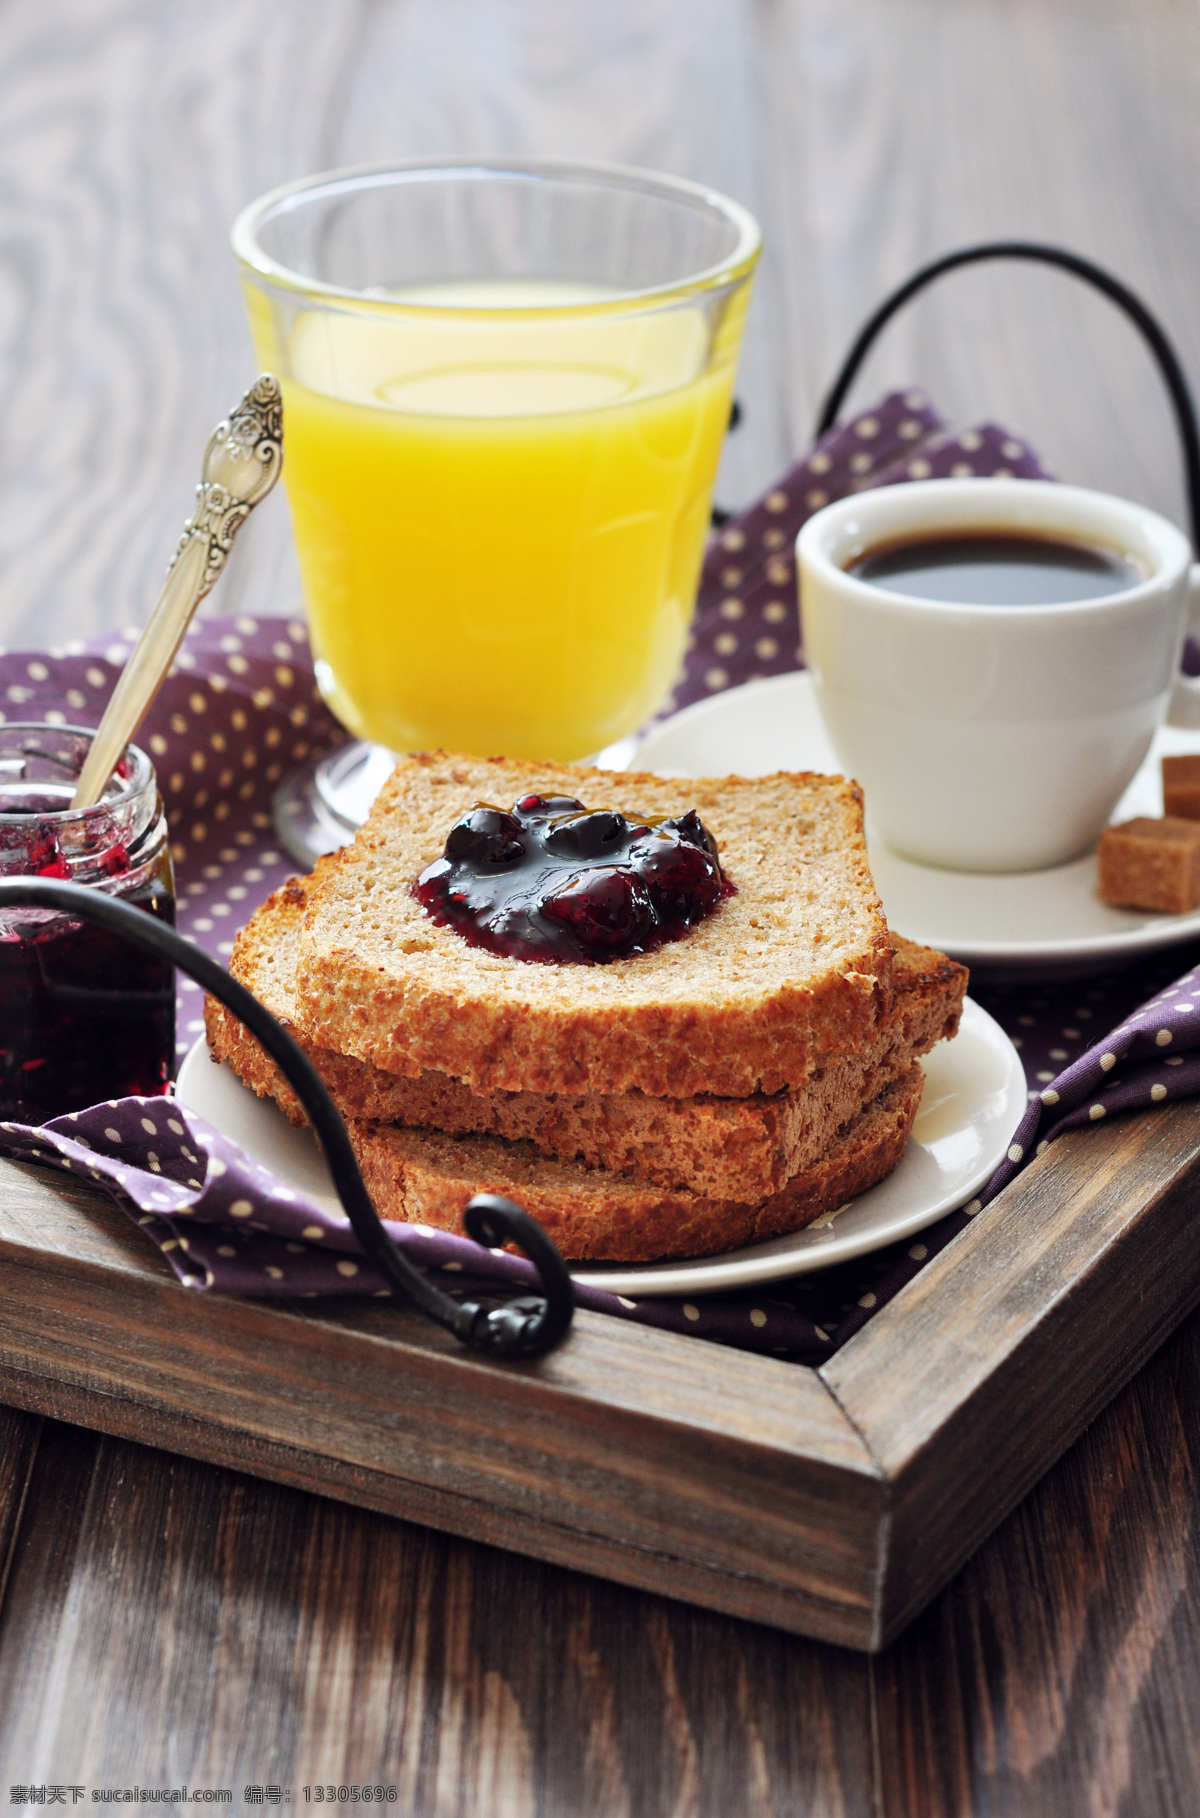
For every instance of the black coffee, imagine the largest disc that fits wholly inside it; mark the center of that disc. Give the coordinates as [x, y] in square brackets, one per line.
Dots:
[990, 569]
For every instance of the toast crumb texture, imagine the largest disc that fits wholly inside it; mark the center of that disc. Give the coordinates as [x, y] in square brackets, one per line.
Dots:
[744, 1149]
[790, 973]
[427, 1177]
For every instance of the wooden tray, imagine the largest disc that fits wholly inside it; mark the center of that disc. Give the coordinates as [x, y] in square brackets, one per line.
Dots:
[831, 1502]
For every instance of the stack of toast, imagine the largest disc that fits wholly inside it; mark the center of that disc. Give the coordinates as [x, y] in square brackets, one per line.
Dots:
[724, 1088]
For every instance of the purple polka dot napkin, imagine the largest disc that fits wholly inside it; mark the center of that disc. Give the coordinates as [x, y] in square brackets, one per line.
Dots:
[746, 622]
[224, 1222]
[1151, 1056]
[240, 710]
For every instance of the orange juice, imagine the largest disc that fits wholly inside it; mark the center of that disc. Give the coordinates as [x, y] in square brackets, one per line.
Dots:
[500, 511]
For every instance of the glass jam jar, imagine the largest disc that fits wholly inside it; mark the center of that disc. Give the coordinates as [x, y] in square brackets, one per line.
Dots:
[83, 1015]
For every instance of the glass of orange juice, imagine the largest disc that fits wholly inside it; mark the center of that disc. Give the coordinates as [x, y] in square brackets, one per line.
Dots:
[506, 385]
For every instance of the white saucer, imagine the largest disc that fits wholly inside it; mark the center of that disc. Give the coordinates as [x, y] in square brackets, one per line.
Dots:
[1034, 924]
[973, 1101]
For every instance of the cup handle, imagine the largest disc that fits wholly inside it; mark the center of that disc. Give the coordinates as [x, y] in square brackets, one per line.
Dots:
[1184, 709]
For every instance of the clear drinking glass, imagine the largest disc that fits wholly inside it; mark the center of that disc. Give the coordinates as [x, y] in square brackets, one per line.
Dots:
[505, 386]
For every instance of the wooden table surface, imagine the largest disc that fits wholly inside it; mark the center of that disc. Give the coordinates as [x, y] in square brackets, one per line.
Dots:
[163, 1621]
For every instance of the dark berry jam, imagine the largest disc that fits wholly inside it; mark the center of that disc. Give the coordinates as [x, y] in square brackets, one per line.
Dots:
[552, 880]
[84, 1016]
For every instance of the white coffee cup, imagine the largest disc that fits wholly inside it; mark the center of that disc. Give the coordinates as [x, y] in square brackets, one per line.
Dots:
[994, 738]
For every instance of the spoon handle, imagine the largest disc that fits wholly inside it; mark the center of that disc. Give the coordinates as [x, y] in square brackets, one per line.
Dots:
[241, 464]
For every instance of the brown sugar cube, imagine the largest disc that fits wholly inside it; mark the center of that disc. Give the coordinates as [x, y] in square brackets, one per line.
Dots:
[1147, 864]
[1181, 786]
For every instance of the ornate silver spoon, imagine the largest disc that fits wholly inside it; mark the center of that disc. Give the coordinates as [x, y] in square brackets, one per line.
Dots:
[241, 464]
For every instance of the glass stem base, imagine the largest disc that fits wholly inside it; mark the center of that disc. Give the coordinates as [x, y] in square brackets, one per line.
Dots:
[321, 806]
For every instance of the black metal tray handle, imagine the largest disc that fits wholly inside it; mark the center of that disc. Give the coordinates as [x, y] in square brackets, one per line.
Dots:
[1079, 267]
[524, 1327]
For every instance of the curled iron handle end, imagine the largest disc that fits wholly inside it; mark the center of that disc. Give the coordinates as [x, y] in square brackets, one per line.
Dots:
[530, 1325]
[524, 1327]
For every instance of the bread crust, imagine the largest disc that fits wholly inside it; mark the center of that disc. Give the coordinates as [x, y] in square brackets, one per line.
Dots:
[427, 1177]
[738, 1149]
[792, 972]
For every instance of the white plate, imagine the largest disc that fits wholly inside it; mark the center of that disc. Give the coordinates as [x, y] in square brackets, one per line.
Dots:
[1034, 924]
[256, 1125]
[973, 1100]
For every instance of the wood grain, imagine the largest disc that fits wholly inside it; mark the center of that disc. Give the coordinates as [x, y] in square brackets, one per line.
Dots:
[975, 1379]
[1058, 1677]
[168, 1618]
[20, 1435]
[162, 1617]
[204, 1622]
[899, 130]
[731, 1479]
[868, 138]
[833, 1503]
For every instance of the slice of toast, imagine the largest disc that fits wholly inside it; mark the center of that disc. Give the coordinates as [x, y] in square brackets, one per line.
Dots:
[725, 1148]
[791, 972]
[427, 1177]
